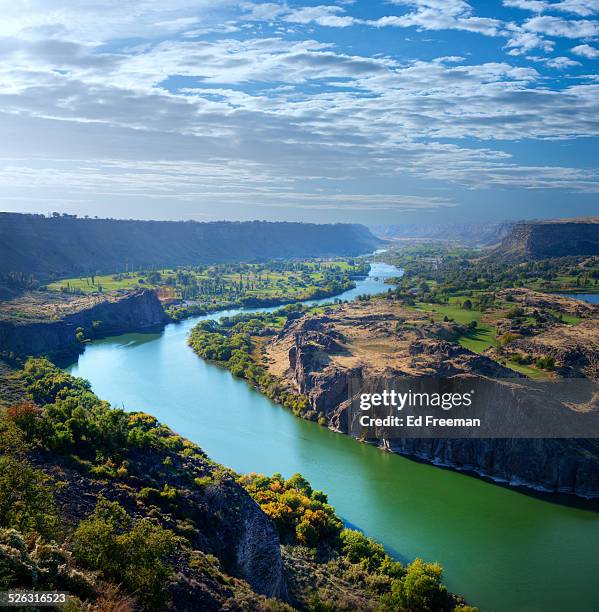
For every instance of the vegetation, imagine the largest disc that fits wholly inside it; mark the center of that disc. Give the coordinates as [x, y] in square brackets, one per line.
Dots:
[234, 343]
[100, 246]
[451, 270]
[130, 551]
[194, 290]
[303, 517]
[130, 554]
[463, 285]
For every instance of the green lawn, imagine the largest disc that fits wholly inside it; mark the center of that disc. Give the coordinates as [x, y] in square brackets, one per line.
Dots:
[527, 370]
[478, 340]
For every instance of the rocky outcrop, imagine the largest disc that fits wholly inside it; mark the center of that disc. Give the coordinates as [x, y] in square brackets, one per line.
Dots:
[552, 465]
[332, 358]
[545, 239]
[228, 523]
[575, 349]
[43, 323]
[527, 298]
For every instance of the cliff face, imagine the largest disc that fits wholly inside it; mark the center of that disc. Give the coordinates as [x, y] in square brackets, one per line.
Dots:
[331, 357]
[554, 465]
[228, 523]
[55, 247]
[551, 239]
[34, 324]
[468, 233]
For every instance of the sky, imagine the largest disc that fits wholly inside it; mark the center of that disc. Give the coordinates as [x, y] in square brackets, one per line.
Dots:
[392, 111]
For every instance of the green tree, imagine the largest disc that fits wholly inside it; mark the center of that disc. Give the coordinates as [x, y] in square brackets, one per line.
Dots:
[420, 589]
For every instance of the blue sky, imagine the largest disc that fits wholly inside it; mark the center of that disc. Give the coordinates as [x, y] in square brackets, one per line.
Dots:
[376, 112]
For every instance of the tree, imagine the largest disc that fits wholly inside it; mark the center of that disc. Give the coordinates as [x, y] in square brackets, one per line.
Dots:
[419, 590]
[360, 549]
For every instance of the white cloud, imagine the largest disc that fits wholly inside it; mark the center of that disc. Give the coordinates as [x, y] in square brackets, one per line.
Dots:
[584, 8]
[561, 62]
[440, 15]
[538, 6]
[586, 51]
[566, 28]
[331, 16]
[96, 21]
[522, 42]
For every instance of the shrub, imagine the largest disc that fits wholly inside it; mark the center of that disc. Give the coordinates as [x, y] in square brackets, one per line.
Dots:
[301, 516]
[26, 502]
[132, 555]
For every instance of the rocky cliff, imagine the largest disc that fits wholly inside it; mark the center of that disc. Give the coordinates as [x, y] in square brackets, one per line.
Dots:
[329, 357]
[545, 239]
[66, 246]
[228, 523]
[46, 323]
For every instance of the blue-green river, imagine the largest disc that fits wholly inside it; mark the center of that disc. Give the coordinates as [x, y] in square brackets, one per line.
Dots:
[503, 550]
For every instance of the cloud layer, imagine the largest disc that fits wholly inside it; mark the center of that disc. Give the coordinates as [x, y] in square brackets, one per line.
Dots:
[257, 105]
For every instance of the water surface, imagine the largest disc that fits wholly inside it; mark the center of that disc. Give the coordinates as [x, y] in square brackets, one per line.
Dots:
[503, 550]
[591, 298]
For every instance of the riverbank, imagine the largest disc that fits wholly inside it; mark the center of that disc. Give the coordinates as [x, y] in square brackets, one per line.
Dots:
[413, 508]
[309, 361]
[59, 324]
[96, 479]
[43, 323]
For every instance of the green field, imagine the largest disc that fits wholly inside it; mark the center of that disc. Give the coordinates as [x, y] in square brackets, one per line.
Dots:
[478, 340]
[195, 290]
[259, 280]
[485, 335]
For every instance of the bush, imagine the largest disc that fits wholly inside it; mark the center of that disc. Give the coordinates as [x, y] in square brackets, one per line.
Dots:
[360, 549]
[26, 503]
[131, 555]
[301, 516]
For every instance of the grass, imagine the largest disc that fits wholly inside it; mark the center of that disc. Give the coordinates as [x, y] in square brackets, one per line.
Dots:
[479, 340]
[455, 312]
[563, 283]
[267, 284]
[106, 281]
[527, 370]
[568, 318]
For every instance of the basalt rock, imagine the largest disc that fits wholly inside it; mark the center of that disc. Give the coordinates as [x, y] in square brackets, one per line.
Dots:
[355, 347]
[544, 239]
[44, 323]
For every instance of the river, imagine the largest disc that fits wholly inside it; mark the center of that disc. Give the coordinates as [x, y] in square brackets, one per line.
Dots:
[502, 549]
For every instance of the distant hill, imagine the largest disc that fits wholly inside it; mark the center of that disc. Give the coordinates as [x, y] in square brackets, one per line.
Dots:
[468, 233]
[65, 245]
[544, 239]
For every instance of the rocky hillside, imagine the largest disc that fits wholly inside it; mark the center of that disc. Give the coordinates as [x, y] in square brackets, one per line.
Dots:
[124, 514]
[466, 233]
[49, 323]
[545, 239]
[66, 246]
[328, 358]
